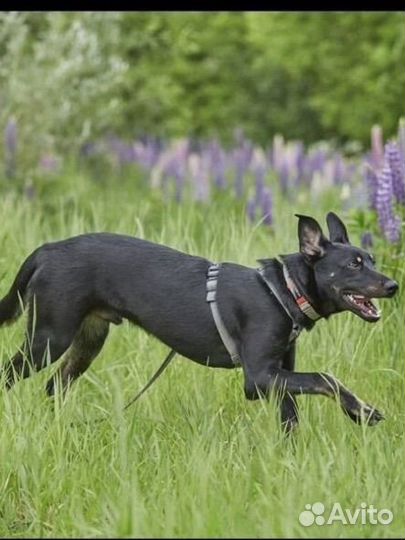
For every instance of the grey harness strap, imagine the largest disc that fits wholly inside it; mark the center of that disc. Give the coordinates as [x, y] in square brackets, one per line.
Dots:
[212, 281]
[296, 329]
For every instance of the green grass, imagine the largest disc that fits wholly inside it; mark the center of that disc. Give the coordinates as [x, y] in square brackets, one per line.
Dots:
[192, 457]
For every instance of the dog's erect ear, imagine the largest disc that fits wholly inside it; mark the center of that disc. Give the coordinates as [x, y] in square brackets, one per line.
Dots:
[337, 229]
[312, 240]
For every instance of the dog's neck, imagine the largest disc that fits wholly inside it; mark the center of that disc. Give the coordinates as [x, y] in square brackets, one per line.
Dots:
[304, 278]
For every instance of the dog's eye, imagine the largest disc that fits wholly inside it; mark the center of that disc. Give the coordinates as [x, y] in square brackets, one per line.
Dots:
[356, 263]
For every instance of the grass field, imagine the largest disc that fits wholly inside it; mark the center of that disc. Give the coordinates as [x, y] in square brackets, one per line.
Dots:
[193, 457]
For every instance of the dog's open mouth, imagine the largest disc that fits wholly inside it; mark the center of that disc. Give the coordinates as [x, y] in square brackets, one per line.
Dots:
[363, 306]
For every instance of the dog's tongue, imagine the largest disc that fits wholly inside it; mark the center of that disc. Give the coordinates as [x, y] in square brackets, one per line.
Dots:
[366, 305]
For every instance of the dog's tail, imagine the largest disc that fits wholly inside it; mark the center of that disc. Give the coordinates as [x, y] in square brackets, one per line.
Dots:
[10, 305]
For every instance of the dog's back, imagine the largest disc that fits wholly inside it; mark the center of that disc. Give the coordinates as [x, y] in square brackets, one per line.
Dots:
[119, 276]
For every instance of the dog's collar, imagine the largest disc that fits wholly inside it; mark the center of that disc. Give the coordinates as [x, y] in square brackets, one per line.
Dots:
[301, 300]
[272, 274]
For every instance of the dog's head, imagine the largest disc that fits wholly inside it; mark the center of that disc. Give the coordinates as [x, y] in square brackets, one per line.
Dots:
[345, 275]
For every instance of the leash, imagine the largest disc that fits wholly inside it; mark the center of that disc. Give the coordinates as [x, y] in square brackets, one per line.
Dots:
[159, 371]
[157, 374]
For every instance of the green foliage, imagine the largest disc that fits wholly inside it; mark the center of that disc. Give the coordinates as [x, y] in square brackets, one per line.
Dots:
[68, 77]
[58, 72]
[343, 71]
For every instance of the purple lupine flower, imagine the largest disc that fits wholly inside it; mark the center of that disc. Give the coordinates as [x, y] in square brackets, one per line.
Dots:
[199, 170]
[267, 207]
[377, 147]
[393, 229]
[241, 156]
[312, 164]
[284, 177]
[299, 162]
[371, 181]
[177, 167]
[269, 156]
[251, 209]
[179, 185]
[10, 148]
[307, 169]
[260, 175]
[328, 173]
[397, 166]
[389, 223]
[367, 240]
[258, 167]
[339, 169]
[239, 174]
[124, 152]
[288, 167]
[278, 152]
[158, 173]
[217, 163]
[317, 160]
[171, 163]
[401, 138]
[146, 153]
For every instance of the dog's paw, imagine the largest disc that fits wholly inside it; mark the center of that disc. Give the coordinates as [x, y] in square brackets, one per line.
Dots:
[290, 425]
[373, 415]
[362, 413]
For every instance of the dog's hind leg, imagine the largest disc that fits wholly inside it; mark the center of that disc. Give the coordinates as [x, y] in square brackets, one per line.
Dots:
[86, 345]
[44, 347]
[288, 405]
[50, 331]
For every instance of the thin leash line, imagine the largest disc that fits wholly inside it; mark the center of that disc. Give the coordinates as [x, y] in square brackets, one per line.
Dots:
[155, 376]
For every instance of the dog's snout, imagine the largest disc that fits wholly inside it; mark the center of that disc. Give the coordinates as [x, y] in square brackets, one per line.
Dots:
[391, 287]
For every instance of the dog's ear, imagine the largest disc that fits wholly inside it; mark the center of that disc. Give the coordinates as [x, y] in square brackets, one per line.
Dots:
[312, 240]
[337, 229]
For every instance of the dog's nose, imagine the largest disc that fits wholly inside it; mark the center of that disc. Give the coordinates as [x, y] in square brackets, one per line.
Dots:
[391, 287]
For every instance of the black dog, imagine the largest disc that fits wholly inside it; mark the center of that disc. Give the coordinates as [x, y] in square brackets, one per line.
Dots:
[76, 287]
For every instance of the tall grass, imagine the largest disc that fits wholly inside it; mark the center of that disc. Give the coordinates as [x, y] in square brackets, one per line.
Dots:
[193, 458]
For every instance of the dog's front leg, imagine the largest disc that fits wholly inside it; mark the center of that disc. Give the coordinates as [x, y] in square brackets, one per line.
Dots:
[288, 405]
[281, 380]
